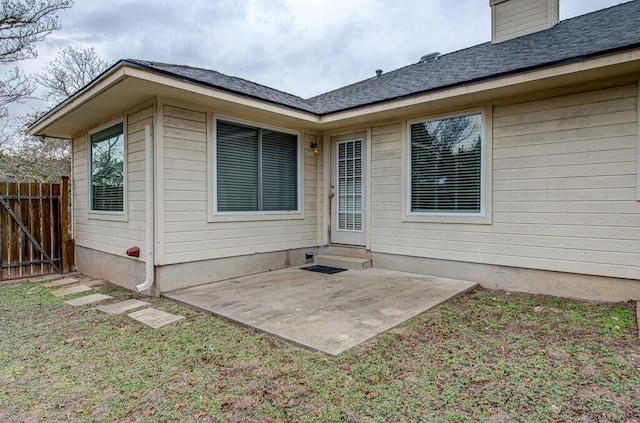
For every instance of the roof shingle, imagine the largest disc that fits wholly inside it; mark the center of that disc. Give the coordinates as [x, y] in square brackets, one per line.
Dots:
[614, 29]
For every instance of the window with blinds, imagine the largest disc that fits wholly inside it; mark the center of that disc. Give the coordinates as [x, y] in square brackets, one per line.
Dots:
[107, 169]
[446, 165]
[256, 169]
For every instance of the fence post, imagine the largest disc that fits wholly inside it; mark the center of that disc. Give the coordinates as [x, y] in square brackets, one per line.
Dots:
[64, 223]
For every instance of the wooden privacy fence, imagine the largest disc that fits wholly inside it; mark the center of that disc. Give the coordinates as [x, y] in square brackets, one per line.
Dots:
[34, 221]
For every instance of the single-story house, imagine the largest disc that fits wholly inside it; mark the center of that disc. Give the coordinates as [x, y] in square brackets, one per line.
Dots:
[514, 163]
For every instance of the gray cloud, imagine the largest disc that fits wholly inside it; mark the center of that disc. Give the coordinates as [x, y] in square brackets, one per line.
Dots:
[304, 47]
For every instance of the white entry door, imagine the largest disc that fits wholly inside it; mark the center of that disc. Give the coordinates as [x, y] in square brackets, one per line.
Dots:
[348, 190]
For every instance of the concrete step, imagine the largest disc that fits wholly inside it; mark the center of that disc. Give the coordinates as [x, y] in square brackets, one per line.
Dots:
[343, 250]
[343, 262]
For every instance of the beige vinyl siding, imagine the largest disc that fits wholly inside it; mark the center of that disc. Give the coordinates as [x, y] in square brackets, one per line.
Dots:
[564, 174]
[515, 18]
[113, 234]
[189, 233]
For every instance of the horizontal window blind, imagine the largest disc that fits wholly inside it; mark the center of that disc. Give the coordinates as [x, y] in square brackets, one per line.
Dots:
[237, 164]
[257, 169]
[446, 165]
[107, 169]
[107, 198]
[279, 171]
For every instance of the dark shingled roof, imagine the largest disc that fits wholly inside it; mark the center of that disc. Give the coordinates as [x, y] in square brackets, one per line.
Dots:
[211, 78]
[614, 29]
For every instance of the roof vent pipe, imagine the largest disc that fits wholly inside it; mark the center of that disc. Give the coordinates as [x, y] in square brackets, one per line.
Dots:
[378, 73]
[429, 57]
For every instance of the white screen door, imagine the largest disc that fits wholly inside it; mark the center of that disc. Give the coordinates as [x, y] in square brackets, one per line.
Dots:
[348, 191]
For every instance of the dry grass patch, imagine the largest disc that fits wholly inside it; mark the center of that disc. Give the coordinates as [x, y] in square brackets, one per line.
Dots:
[486, 356]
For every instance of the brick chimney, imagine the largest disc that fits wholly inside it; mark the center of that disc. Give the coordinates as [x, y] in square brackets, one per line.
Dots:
[515, 18]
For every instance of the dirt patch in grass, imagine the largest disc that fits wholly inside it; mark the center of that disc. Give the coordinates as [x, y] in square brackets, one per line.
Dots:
[485, 356]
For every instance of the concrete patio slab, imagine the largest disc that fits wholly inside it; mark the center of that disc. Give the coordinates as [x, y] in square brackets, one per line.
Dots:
[328, 313]
[70, 290]
[154, 318]
[87, 299]
[60, 282]
[121, 307]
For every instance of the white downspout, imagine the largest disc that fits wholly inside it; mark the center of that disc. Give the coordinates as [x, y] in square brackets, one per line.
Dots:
[149, 212]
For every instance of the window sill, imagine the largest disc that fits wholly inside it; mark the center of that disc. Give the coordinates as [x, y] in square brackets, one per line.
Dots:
[254, 217]
[95, 215]
[447, 218]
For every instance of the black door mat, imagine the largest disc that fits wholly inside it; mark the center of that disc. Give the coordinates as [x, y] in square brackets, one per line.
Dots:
[324, 269]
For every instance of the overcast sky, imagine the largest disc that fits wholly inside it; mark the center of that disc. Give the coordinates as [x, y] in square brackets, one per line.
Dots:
[304, 47]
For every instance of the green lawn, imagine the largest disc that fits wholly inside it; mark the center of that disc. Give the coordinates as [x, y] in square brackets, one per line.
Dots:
[486, 356]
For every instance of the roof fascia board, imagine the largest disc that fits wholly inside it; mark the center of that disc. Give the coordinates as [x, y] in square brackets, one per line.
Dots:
[109, 79]
[571, 69]
[220, 94]
[123, 70]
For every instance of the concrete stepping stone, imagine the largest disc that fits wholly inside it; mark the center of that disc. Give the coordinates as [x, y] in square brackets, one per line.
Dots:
[60, 282]
[87, 299]
[121, 307]
[43, 278]
[38, 278]
[70, 290]
[154, 318]
[93, 282]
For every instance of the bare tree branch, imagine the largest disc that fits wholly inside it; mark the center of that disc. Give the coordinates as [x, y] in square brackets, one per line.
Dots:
[27, 158]
[14, 87]
[71, 70]
[22, 24]
[25, 22]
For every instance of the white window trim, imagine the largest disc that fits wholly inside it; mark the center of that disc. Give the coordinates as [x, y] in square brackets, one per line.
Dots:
[213, 214]
[100, 214]
[485, 215]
